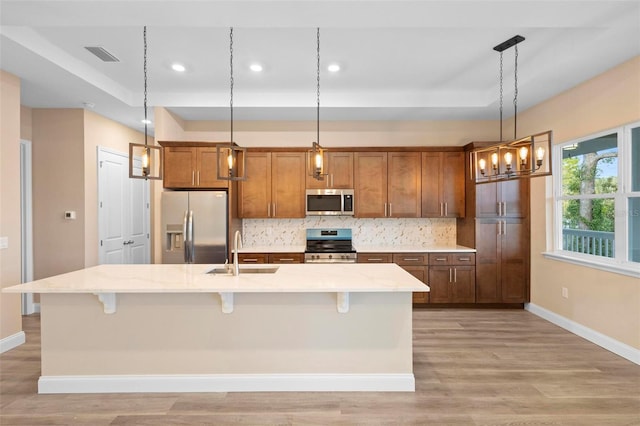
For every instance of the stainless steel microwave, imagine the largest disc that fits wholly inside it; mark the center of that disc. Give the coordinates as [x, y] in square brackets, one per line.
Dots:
[329, 202]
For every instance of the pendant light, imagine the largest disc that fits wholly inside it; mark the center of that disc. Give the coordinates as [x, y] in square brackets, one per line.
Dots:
[231, 158]
[145, 161]
[502, 155]
[316, 154]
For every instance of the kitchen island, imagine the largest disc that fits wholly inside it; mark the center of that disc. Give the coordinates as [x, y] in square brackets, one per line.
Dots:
[177, 328]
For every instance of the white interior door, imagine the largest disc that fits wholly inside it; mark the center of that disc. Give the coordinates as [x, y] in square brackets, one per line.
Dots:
[123, 211]
[26, 223]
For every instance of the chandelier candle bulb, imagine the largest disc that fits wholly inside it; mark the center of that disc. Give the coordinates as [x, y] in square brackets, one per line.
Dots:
[482, 163]
[524, 152]
[539, 156]
[494, 160]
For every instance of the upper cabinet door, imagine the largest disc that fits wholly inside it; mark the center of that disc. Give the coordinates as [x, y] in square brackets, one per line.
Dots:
[254, 194]
[403, 180]
[338, 167]
[370, 179]
[431, 184]
[207, 169]
[179, 167]
[503, 199]
[443, 184]
[288, 184]
[340, 170]
[188, 167]
[452, 184]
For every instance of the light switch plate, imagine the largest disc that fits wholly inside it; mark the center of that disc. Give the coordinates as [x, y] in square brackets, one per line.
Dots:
[4, 242]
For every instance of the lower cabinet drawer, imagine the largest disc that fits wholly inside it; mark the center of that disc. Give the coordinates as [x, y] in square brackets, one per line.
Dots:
[286, 258]
[375, 258]
[253, 258]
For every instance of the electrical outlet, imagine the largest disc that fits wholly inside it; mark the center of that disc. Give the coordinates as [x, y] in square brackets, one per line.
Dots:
[565, 292]
[4, 242]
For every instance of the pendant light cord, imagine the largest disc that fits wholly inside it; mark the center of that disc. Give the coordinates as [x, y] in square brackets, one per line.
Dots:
[501, 96]
[318, 88]
[515, 97]
[144, 34]
[231, 79]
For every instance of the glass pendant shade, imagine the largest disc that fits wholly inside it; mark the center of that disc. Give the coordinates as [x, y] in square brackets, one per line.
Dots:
[316, 162]
[145, 161]
[231, 162]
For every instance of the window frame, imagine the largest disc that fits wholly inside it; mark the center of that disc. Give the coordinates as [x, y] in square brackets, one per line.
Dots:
[620, 263]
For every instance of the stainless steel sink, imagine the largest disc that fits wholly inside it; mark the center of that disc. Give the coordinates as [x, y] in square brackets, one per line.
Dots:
[229, 271]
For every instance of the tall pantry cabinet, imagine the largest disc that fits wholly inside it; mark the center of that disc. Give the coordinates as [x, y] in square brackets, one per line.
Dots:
[497, 225]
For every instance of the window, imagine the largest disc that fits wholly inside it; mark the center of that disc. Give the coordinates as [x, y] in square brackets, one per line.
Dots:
[597, 196]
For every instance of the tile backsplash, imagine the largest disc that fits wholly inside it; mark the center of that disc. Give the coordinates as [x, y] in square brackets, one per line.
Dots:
[366, 232]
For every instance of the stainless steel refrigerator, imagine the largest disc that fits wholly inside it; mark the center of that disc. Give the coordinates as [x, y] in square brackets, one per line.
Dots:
[194, 226]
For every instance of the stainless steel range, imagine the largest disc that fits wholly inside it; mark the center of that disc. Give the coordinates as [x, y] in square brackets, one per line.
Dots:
[329, 246]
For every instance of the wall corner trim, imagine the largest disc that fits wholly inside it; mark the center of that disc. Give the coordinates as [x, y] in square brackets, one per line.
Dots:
[12, 341]
[622, 349]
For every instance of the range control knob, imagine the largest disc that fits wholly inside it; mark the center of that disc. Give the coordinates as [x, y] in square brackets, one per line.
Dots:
[330, 256]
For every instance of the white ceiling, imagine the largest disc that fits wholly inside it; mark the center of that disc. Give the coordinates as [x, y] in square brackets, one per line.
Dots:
[401, 60]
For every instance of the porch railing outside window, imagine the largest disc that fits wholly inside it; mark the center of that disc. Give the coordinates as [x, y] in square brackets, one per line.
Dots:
[597, 243]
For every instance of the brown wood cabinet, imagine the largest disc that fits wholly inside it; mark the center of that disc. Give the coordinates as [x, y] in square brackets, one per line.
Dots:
[503, 260]
[275, 185]
[190, 167]
[443, 184]
[497, 225]
[248, 258]
[387, 184]
[339, 168]
[375, 258]
[502, 199]
[452, 277]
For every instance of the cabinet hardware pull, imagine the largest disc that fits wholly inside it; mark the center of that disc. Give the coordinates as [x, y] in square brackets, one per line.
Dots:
[385, 209]
[441, 259]
[450, 280]
[446, 209]
[376, 259]
[198, 177]
[499, 206]
[455, 275]
[193, 177]
[410, 259]
[504, 208]
[268, 209]
[441, 209]
[274, 210]
[286, 259]
[464, 259]
[390, 214]
[249, 260]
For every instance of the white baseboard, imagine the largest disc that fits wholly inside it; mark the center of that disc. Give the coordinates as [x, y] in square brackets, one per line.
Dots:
[228, 383]
[12, 341]
[612, 345]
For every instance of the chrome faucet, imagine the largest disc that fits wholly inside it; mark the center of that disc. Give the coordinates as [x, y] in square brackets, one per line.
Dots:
[237, 244]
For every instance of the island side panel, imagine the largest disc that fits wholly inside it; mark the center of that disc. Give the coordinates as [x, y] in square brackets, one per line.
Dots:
[267, 333]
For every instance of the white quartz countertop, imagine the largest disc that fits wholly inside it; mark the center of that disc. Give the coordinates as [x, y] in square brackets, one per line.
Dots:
[273, 249]
[193, 278]
[414, 249]
[365, 249]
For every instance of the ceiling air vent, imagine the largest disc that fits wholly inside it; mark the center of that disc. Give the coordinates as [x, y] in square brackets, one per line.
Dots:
[102, 53]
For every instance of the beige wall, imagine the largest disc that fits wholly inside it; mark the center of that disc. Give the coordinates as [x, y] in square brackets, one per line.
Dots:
[606, 302]
[100, 132]
[10, 320]
[58, 186]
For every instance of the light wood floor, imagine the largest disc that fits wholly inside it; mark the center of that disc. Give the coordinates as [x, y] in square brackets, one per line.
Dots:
[472, 367]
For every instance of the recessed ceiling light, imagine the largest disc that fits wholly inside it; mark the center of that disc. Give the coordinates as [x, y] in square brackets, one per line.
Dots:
[145, 121]
[255, 67]
[178, 67]
[333, 68]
